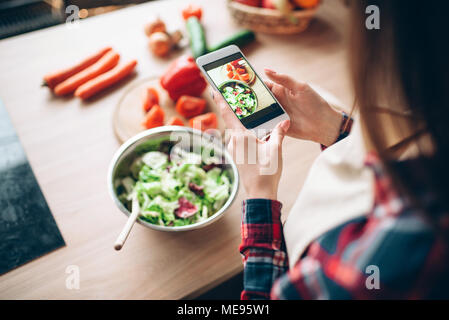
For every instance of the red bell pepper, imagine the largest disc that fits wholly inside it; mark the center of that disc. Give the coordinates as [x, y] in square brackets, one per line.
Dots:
[194, 89]
[183, 77]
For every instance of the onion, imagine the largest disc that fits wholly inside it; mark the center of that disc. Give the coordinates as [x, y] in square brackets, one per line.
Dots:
[160, 43]
[156, 26]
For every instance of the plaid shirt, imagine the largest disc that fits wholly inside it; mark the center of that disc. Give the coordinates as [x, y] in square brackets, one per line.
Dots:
[393, 240]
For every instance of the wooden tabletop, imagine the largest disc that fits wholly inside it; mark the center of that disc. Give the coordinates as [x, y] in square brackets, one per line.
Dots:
[69, 145]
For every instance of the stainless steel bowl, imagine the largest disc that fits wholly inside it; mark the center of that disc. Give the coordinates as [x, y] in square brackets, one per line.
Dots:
[120, 163]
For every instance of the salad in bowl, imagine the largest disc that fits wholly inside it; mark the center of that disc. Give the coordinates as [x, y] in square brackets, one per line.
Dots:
[180, 184]
[241, 97]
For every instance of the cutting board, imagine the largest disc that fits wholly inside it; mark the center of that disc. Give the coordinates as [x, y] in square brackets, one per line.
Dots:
[129, 113]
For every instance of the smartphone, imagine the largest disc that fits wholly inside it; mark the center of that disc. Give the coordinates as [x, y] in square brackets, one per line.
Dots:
[252, 102]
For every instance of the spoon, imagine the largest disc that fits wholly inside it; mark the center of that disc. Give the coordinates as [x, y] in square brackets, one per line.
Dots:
[129, 224]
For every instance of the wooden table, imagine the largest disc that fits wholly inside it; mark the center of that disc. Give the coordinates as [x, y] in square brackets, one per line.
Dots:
[69, 145]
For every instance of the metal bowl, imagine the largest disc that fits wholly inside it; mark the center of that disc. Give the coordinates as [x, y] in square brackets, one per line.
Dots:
[120, 164]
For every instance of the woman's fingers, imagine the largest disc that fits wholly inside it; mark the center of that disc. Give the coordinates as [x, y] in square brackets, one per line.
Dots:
[230, 119]
[284, 80]
[281, 79]
[269, 84]
[241, 146]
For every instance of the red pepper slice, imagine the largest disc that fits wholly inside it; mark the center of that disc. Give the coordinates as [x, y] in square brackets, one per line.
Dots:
[175, 121]
[154, 118]
[244, 77]
[204, 122]
[151, 99]
[189, 106]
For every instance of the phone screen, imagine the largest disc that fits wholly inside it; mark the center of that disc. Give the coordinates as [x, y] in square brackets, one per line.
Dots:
[246, 94]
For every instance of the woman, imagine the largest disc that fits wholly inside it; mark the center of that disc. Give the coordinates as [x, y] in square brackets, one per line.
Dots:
[372, 218]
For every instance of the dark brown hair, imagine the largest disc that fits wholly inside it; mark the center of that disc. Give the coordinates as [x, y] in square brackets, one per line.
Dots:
[401, 73]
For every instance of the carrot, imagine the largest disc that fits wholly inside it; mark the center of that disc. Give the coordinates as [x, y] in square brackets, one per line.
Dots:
[154, 118]
[175, 121]
[55, 78]
[105, 80]
[106, 63]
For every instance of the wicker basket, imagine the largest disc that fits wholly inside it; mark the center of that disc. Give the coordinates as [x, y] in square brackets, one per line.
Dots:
[269, 20]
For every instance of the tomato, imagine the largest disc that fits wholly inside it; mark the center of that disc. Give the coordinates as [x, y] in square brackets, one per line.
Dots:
[240, 70]
[151, 99]
[175, 121]
[204, 121]
[307, 4]
[230, 75]
[189, 106]
[228, 67]
[252, 3]
[154, 118]
[192, 11]
[268, 4]
[236, 77]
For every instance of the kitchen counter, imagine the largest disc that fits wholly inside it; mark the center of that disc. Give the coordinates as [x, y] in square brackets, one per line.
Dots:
[69, 145]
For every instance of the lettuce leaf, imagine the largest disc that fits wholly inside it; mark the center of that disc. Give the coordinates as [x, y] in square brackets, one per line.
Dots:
[155, 159]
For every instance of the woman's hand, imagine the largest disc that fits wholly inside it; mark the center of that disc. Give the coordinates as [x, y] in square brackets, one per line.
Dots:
[311, 116]
[259, 162]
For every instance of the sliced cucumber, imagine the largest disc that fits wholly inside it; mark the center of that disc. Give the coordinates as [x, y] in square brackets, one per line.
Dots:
[197, 38]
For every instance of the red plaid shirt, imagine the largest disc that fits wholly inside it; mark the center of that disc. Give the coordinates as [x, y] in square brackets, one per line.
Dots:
[393, 242]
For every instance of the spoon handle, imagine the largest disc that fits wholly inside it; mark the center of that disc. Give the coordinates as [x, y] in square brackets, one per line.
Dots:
[129, 224]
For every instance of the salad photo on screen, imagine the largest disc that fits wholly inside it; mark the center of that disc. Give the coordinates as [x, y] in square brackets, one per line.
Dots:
[240, 97]
[241, 87]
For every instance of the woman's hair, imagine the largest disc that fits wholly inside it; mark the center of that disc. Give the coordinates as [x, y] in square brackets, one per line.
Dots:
[401, 79]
